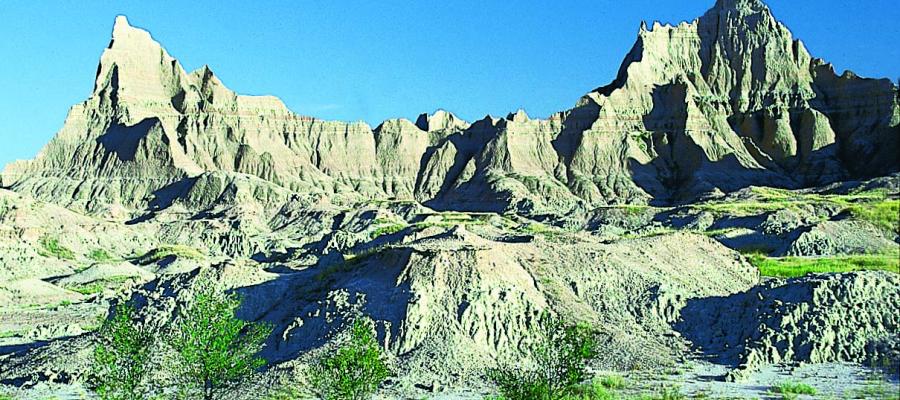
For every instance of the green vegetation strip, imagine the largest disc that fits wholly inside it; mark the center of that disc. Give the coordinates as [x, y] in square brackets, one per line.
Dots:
[792, 267]
[51, 247]
[177, 251]
[874, 206]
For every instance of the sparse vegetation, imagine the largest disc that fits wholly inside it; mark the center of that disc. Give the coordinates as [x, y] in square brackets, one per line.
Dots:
[560, 355]
[9, 334]
[50, 247]
[794, 388]
[355, 370]
[387, 230]
[612, 382]
[792, 267]
[214, 347]
[100, 285]
[869, 205]
[121, 359]
[99, 255]
[170, 251]
[884, 214]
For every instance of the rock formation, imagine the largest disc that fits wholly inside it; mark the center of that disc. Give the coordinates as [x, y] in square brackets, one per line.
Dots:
[714, 105]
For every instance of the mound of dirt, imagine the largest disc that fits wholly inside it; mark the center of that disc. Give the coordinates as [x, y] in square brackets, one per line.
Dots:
[845, 317]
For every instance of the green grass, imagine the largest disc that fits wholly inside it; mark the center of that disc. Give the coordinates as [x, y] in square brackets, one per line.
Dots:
[771, 199]
[9, 334]
[100, 285]
[51, 247]
[165, 251]
[884, 214]
[792, 267]
[99, 255]
[794, 388]
[387, 230]
[612, 382]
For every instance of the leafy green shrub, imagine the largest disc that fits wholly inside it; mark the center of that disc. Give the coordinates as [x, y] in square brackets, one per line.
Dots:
[560, 352]
[355, 370]
[215, 347]
[795, 388]
[51, 247]
[121, 359]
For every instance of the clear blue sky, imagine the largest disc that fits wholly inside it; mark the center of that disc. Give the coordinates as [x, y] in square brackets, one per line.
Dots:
[372, 60]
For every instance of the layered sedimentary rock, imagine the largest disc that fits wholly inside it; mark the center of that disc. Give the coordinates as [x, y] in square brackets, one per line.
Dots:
[715, 105]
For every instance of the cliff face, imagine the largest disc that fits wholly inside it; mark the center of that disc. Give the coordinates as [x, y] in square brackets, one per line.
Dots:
[726, 101]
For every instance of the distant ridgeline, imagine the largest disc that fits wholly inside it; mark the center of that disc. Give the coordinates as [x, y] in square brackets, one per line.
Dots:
[726, 101]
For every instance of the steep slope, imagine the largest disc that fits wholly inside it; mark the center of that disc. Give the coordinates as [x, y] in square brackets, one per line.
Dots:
[726, 101]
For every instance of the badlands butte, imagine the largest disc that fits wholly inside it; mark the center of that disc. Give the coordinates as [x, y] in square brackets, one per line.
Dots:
[675, 210]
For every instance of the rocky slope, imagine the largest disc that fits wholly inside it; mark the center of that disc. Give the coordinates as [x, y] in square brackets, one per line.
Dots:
[728, 100]
[630, 212]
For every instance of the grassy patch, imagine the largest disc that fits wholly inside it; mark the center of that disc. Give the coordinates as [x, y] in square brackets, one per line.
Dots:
[792, 267]
[99, 255]
[794, 388]
[612, 382]
[387, 230]
[9, 334]
[767, 199]
[100, 285]
[51, 247]
[166, 251]
[884, 214]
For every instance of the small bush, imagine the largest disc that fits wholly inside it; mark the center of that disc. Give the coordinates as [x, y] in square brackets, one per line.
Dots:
[355, 370]
[51, 247]
[121, 359]
[561, 353]
[795, 388]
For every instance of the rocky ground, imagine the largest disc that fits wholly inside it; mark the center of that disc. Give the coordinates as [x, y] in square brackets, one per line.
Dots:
[675, 302]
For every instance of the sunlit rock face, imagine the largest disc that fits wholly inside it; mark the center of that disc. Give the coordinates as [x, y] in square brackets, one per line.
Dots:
[715, 105]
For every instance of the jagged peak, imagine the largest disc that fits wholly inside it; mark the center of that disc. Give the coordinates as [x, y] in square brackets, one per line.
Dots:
[440, 120]
[137, 60]
[741, 5]
[518, 116]
[126, 35]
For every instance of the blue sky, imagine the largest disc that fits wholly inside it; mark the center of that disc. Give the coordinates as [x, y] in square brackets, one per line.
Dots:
[372, 60]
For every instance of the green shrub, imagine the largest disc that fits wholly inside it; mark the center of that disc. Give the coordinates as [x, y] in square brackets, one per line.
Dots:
[795, 388]
[214, 347]
[355, 370]
[51, 247]
[121, 359]
[560, 353]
